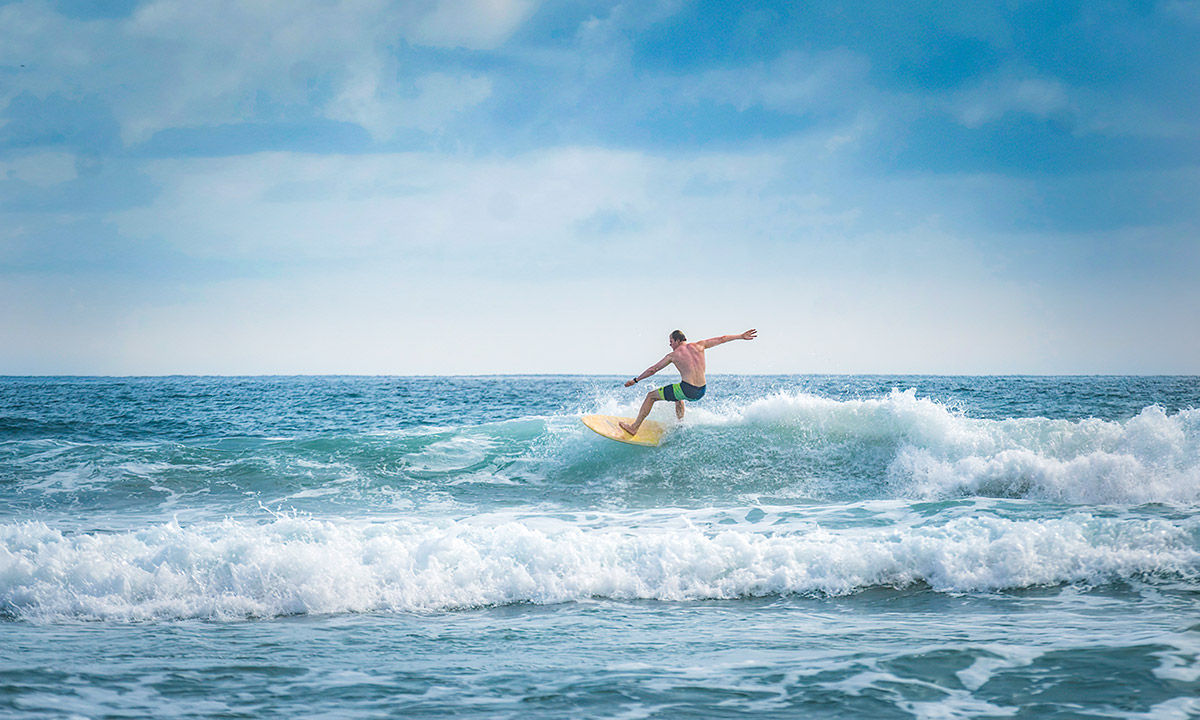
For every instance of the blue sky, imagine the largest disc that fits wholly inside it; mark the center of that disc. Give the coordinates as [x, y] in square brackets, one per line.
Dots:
[494, 186]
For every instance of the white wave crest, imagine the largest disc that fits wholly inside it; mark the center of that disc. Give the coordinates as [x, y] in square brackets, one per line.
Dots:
[297, 565]
[938, 452]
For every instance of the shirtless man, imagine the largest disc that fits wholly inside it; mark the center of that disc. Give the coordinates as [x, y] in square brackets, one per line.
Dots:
[689, 361]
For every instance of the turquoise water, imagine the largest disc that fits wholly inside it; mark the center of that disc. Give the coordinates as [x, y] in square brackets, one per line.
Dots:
[429, 547]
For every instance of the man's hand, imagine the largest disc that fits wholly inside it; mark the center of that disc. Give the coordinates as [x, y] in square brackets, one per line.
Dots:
[749, 334]
[631, 383]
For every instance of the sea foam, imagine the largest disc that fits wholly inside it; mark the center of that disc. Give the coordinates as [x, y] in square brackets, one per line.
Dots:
[936, 451]
[238, 568]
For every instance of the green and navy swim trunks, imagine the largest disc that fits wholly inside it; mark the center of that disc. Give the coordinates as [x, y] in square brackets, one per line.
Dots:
[681, 391]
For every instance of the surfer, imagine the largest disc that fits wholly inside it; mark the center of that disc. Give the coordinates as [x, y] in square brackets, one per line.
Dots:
[689, 361]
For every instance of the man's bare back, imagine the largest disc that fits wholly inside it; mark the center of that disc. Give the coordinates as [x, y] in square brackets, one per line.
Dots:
[688, 359]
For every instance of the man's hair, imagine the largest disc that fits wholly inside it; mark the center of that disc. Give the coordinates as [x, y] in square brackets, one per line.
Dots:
[678, 336]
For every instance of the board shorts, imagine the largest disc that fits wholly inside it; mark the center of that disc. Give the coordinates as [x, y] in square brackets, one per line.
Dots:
[681, 391]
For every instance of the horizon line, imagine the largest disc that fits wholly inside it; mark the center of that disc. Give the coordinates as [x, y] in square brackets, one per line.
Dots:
[584, 374]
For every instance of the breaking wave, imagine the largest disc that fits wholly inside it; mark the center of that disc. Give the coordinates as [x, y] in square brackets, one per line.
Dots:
[923, 448]
[235, 568]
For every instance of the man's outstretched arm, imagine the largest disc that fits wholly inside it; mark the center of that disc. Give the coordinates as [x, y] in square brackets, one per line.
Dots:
[650, 371]
[713, 342]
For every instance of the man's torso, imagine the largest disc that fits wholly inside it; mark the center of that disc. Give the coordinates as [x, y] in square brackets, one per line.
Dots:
[689, 360]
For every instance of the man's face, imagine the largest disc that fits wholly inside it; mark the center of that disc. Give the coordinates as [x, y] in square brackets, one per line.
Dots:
[673, 343]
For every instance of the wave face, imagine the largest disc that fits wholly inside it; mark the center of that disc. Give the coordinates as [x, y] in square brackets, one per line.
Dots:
[925, 448]
[244, 497]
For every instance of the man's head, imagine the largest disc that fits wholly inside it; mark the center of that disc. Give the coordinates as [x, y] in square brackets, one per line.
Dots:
[677, 338]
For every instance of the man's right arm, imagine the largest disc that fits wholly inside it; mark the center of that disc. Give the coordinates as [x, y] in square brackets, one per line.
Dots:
[713, 342]
[650, 370]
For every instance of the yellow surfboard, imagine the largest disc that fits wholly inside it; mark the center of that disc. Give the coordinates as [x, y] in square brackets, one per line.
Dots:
[649, 434]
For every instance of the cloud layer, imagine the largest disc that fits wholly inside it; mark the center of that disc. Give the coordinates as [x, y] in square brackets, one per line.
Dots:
[207, 187]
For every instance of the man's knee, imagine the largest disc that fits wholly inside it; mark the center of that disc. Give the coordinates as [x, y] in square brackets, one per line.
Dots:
[652, 395]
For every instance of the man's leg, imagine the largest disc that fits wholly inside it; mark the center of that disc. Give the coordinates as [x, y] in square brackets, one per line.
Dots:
[679, 409]
[632, 428]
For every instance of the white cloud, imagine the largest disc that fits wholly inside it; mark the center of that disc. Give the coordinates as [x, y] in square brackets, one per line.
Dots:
[181, 64]
[599, 211]
[382, 110]
[1088, 110]
[1133, 117]
[42, 169]
[998, 96]
[793, 82]
[385, 207]
[473, 24]
[388, 207]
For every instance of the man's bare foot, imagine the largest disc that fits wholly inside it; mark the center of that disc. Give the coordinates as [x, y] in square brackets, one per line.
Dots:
[625, 426]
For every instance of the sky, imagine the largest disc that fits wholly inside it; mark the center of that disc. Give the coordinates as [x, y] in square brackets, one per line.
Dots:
[515, 186]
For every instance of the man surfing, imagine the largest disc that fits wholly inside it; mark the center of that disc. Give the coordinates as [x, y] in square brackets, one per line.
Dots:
[689, 361]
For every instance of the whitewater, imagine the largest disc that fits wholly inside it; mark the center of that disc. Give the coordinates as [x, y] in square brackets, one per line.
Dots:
[800, 546]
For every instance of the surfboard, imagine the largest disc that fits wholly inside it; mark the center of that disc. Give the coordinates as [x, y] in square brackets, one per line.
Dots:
[650, 434]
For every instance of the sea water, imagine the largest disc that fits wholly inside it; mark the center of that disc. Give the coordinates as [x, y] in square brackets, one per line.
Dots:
[799, 547]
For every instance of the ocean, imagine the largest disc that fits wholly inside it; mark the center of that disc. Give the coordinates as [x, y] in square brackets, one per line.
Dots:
[429, 547]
